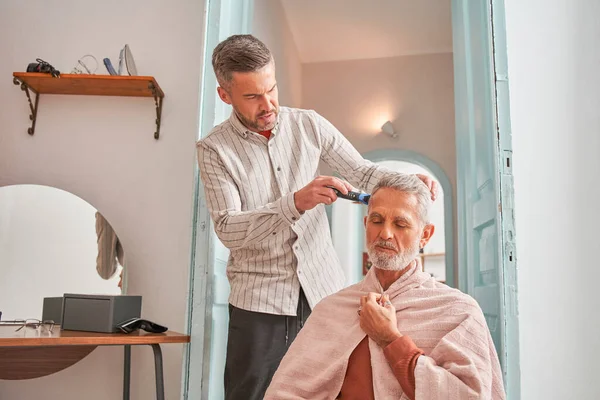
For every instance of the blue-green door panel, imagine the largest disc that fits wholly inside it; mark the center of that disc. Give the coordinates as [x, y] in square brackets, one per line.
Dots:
[478, 182]
[484, 186]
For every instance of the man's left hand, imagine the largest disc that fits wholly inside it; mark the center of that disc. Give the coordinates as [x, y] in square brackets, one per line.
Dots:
[377, 321]
[431, 184]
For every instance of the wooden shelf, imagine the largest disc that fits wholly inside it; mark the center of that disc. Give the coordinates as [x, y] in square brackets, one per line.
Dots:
[95, 85]
[89, 85]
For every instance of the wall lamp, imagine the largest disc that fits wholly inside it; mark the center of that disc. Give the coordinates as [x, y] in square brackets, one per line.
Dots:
[388, 128]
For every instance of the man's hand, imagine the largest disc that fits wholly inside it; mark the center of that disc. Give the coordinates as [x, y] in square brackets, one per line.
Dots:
[377, 321]
[318, 192]
[431, 184]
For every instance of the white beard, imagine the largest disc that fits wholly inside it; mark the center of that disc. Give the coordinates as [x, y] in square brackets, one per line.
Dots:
[395, 262]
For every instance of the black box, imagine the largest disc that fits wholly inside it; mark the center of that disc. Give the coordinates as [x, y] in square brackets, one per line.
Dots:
[52, 310]
[98, 313]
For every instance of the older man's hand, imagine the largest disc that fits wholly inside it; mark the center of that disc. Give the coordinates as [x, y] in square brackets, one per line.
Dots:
[379, 321]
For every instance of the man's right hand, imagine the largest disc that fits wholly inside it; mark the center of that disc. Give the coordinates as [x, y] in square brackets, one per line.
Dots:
[378, 319]
[318, 192]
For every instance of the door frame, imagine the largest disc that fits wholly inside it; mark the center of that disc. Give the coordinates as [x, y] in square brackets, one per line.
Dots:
[221, 19]
[200, 298]
[512, 372]
[509, 352]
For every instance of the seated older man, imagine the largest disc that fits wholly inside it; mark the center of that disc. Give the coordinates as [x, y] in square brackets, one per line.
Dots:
[398, 334]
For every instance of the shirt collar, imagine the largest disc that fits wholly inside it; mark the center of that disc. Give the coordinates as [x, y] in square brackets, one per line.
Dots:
[241, 128]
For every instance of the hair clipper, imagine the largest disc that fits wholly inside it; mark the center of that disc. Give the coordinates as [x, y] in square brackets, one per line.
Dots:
[352, 196]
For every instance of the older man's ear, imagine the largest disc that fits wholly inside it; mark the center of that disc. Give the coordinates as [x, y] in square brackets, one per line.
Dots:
[427, 233]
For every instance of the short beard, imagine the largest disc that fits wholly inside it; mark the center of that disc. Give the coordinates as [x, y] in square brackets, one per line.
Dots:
[253, 124]
[396, 262]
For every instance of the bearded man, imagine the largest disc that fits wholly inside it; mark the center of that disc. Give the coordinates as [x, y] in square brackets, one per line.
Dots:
[398, 334]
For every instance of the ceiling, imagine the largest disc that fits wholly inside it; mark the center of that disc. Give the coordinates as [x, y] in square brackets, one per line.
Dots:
[334, 30]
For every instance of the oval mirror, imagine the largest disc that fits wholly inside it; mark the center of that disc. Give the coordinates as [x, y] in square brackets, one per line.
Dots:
[53, 242]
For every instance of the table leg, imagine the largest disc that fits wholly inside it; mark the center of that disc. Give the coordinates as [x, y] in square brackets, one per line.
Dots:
[158, 367]
[126, 371]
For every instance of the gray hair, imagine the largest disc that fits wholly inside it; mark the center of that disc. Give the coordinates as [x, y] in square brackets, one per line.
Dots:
[239, 53]
[408, 183]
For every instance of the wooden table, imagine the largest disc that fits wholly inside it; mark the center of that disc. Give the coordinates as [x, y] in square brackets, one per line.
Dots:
[32, 353]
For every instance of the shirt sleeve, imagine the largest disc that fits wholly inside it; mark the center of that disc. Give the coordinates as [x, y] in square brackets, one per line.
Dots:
[402, 355]
[236, 228]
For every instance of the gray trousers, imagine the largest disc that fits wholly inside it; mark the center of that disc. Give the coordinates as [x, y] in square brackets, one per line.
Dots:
[256, 344]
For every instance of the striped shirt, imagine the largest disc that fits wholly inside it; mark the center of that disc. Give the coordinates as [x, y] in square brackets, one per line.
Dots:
[249, 184]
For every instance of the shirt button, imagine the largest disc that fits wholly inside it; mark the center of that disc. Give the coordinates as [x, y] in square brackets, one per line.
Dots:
[296, 247]
[299, 272]
[274, 233]
[293, 218]
[278, 168]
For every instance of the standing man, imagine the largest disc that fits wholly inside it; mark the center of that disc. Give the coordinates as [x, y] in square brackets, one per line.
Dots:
[260, 174]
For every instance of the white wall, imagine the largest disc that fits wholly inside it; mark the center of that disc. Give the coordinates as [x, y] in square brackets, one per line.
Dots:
[46, 235]
[270, 25]
[553, 60]
[102, 149]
